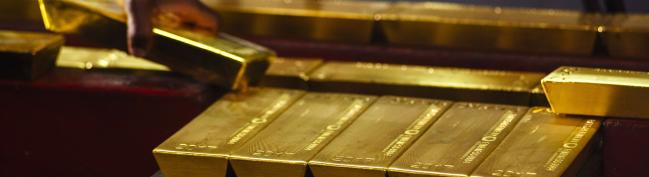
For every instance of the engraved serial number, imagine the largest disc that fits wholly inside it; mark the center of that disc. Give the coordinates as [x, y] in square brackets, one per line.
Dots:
[356, 107]
[512, 173]
[429, 165]
[351, 159]
[260, 120]
[268, 153]
[192, 147]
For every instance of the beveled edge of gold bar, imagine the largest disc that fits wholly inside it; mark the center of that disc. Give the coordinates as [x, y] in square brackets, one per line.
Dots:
[317, 75]
[310, 9]
[569, 74]
[95, 58]
[396, 13]
[302, 67]
[35, 41]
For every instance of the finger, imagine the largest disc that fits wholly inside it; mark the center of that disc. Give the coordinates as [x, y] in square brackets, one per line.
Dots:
[196, 13]
[140, 29]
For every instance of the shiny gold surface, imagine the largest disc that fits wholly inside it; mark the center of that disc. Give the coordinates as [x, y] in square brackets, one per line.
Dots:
[224, 60]
[628, 36]
[542, 144]
[201, 148]
[432, 82]
[598, 92]
[377, 137]
[92, 58]
[290, 72]
[459, 141]
[285, 146]
[27, 55]
[337, 21]
[489, 28]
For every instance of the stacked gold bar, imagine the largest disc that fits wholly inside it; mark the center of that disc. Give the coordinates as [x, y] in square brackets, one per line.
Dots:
[334, 21]
[27, 55]
[627, 35]
[459, 141]
[543, 144]
[598, 92]
[370, 144]
[224, 60]
[489, 28]
[203, 146]
[290, 72]
[91, 58]
[288, 143]
[430, 82]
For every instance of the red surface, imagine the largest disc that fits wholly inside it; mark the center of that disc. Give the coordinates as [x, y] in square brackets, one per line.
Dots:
[626, 148]
[72, 123]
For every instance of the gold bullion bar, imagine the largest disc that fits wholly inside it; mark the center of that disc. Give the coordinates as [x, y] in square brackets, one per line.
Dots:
[202, 147]
[287, 144]
[542, 144]
[432, 82]
[377, 137]
[598, 92]
[290, 72]
[490, 28]
[27, 55]
[334, 21]
[458, 141]
[627, 35]
[93, 58]
[224, 60]
[538, 97]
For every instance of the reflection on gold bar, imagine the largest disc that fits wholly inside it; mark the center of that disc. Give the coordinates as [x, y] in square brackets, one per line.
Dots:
[289, 72]
[542, 144]
[458, 141]
[91, 58]
[335, 21]
[538, 97]
[286, 145]
[375, 139]
[201, 148]
[489, 28]
[432, 82]
[224, 60]
[598, 92]
[27, 55]
[628, 36]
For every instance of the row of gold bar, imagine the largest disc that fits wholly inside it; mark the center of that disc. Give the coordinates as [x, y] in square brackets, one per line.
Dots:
[277, 132]
[438, 24]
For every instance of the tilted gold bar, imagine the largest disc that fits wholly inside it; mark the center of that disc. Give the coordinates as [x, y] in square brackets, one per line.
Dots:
[286, 145]
[432, 82]
[224, 60]
[490, 28]
[542, 144]
[538, 97]
[27, 55]
[598, 92]
[92, 58]
[290, 72]
[202, 147]
[377, 137]
[628, 36]
[334, 21]
[458, 141]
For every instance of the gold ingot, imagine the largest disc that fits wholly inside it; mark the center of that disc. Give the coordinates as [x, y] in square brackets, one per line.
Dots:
[20, 11]
[431, 82]
[627, 35]
[490, 28]
[202, 147]
[333, 21]
[92, 58]
[286, 145]
[459, 141]
[27, 55]
[290, 72]
[221, 60]
[369, 145]
[598, 92]
[542, 144]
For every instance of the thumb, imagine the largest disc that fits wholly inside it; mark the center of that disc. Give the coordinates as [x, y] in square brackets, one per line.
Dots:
[140, 28]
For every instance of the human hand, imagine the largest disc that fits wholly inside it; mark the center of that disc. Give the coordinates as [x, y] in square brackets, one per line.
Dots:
[141, 13]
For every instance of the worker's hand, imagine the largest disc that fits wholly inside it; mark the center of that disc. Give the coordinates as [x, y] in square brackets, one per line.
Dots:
[142, 14]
